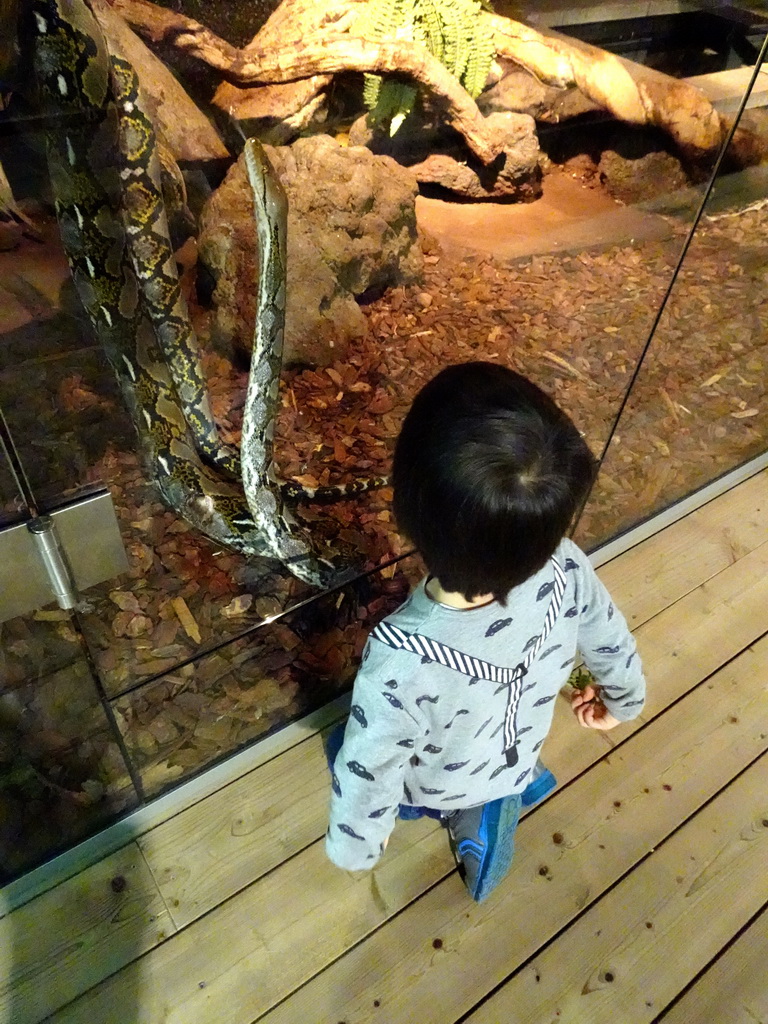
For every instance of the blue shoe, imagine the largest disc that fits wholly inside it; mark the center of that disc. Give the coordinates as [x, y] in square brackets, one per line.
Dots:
[482, 842]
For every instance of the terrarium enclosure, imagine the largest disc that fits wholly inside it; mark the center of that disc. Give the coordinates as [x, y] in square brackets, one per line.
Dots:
[236, 239]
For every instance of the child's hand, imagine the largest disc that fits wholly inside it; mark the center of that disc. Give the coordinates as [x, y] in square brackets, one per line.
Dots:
[590, 710]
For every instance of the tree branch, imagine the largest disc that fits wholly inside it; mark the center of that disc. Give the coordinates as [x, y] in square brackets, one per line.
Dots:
[258, 65]
[629, 91]
[295, 43]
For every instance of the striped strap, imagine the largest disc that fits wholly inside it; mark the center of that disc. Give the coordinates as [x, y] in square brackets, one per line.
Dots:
[468, 665]
[416, 643]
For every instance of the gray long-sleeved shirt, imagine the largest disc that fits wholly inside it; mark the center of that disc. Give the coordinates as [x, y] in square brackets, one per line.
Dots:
[437, 731]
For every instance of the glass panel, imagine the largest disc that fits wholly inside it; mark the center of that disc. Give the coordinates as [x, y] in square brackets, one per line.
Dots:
[555, 267]
[13, 507]
[698, 407]
[207, 709]
[56, 390]
[183, 595]
[62, 772]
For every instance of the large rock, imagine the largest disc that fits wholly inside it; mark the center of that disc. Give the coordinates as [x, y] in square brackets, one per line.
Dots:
[521, 93]
[636, 167]
[437, 158]
[351, 230]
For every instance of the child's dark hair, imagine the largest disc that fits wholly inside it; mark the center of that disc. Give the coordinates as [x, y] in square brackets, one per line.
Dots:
[488, 474]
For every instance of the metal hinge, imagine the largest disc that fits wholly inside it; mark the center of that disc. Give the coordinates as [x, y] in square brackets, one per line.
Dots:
[55, 557]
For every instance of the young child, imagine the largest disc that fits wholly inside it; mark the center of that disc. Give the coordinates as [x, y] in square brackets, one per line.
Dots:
[456, 690]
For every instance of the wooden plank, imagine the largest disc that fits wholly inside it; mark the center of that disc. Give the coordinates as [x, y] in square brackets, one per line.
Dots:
[231, 838]
[652, 576]
[236, 961]
[262, 944]
[702, 630]
[209, 852]
[639, 946]
[734, 990]
[570, 852]
[71, 937]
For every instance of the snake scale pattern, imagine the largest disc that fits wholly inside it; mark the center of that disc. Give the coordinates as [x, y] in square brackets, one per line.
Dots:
[105, 174]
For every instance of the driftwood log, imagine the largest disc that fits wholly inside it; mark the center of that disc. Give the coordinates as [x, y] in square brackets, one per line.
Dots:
[307, 38]
[183, 126]
[310, 55]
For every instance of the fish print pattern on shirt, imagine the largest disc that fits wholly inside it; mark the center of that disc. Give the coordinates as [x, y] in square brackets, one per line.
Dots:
[349, 831]
[461, 711]
[544, 700]
[549, 650]
[485, 725]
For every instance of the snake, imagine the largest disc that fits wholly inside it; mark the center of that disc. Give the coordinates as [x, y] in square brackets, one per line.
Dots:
[105, 175]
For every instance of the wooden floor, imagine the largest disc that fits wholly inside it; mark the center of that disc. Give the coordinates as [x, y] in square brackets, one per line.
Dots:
[638, 894]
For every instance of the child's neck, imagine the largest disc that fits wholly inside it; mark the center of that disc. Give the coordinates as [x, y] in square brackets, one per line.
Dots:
[452, 598]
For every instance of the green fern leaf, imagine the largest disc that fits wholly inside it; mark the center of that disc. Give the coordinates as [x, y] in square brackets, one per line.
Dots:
[452, 30]
[406, 100]
[371, 90]
[432, 26]
[480, 61]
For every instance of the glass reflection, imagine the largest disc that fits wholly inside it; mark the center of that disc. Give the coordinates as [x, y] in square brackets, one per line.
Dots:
[213, 706]
[697, 408]
[62, 771]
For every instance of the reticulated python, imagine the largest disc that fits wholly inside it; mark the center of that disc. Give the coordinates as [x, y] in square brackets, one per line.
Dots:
[104, 170]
